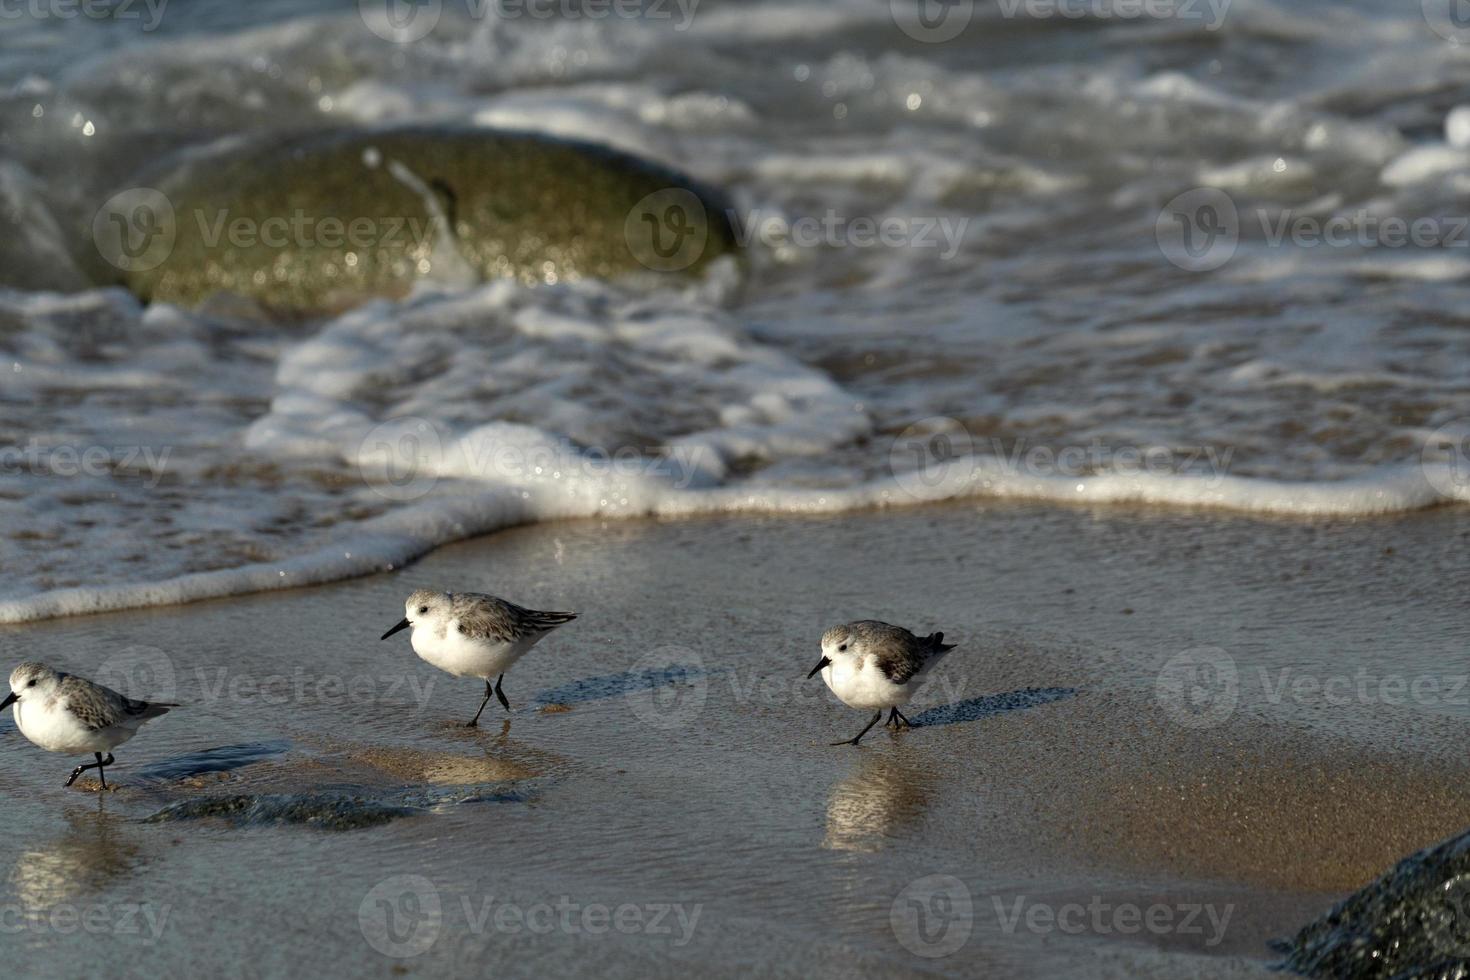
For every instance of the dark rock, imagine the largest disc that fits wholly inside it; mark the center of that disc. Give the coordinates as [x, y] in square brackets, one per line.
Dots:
[1412, 923]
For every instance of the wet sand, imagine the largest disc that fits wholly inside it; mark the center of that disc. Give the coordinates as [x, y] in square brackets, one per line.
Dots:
[316, 805]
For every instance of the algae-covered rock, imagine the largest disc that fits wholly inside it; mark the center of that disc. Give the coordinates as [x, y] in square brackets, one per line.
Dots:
[324, 812]
[321, 222]
[1413, 922]
[329, 810]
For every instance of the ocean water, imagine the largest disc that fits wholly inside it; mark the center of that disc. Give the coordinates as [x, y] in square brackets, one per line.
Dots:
[1208, 256]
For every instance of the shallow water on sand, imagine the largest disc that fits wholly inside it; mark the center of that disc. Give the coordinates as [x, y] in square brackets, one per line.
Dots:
[316, 806]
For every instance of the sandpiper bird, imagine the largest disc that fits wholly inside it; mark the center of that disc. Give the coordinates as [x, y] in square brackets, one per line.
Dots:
[869, 664]
[473, 635]
[65, 713]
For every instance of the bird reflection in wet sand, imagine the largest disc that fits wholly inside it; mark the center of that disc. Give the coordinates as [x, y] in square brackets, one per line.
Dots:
[880, 800]
[93, 851]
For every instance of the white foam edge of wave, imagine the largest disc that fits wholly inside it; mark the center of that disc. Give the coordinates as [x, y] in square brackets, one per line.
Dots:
[393, 540]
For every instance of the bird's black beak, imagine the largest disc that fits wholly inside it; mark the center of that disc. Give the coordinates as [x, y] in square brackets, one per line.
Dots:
[403, 625]
[9, 701]
[818, 668]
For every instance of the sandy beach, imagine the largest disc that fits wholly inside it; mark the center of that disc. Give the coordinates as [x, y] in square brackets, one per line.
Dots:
[666, 757]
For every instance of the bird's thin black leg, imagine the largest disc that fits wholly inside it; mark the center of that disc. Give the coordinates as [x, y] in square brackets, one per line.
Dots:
[102, 768]
[892, 721]
[476, 720]
[81, 769]
[901, 718]
[500, 693]
[855, 739]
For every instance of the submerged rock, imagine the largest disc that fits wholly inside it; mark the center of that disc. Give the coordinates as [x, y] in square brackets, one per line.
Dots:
[317, 223]
[1413, 922]
[323, 812]
[333, 811]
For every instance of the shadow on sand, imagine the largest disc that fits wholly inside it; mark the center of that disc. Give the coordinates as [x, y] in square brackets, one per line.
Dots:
[976, 709]
[617, 685]
[221, 759]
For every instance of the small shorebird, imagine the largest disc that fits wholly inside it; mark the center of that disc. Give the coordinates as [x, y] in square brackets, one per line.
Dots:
[474, 635]
[869, 664]
[65, 713]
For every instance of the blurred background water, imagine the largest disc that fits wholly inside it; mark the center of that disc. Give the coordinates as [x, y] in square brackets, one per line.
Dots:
[1046, 301]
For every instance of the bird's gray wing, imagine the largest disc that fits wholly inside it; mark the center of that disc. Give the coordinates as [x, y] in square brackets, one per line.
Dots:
[489, 617]
[95, 706]
[897, 652]
[99, 707]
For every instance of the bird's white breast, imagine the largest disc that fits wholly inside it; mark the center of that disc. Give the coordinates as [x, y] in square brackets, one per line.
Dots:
[49, 725]
[454, 653]
[858, 683]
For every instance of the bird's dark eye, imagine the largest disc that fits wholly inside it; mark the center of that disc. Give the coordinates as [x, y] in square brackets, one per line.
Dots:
[423, 609]
[843, 647]
[31, 684]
